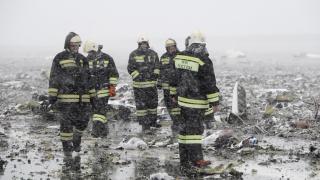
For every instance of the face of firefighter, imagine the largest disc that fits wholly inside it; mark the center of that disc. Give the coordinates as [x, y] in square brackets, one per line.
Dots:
[172, 49]
[74, 47]
[144, 46]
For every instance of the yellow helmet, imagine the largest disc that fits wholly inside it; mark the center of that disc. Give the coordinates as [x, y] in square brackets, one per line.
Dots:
[90, 46]
[197, 37]
[170, 42]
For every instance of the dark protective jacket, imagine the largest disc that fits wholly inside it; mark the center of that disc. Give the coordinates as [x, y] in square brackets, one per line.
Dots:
[194, 81]
[166, 69]
[143, 66]
[103, 72]
[69, 77]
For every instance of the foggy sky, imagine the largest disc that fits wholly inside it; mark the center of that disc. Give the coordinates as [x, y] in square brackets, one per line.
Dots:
[118, 23]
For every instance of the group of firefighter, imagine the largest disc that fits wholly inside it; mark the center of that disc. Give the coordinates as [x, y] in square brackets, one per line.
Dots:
[80, 87]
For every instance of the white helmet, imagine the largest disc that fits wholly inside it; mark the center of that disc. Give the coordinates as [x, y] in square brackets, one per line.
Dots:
[142, 38]
[90, 46]
[170, 42]
[75, 39]
[197, 37]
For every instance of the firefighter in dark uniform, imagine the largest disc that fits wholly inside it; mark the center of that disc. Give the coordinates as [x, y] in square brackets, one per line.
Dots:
[104, 75]
[69, 87]
[143, 66]
[166, 72]
[195, 87]
[209, 114]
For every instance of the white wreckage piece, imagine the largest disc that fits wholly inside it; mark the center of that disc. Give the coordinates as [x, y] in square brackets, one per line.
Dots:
[133, 144]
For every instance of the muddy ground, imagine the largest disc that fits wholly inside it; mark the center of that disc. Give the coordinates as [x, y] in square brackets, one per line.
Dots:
[286, 129]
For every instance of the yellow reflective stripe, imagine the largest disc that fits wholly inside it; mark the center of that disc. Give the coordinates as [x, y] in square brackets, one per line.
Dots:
[139, 58]
[67, 61]
[99, 117]
[144, 84]
[152, 111]
[103, 93]
[190, 139]
[213, 95]
[156, 71]
[141, 112]
[69, 65]
[189, 58]
[92, 92]
[85, 98]
[68, 100]
[113, 80]
[208, 111]
[175, 111]
[165, 85]
[53, 90]
[68, 96]
[66, 136]
[134, 74]
[173, 90]
[213, 99]
[106, 62]
[197, 106]
[165, 60]
[192, 101]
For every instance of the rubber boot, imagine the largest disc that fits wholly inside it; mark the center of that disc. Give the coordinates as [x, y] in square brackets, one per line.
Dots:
[77, 141]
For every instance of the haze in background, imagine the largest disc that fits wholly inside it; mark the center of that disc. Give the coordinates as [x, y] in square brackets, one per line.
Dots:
[38, 27]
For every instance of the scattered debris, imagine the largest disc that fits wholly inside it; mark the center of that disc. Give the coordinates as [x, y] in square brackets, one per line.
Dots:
[132, 143]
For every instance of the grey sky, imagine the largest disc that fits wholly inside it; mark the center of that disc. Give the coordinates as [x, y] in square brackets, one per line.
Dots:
[46, 22]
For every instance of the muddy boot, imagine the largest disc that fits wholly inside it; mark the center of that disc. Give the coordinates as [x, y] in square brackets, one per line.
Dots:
[77, 141]
[145, 127]
[67, 161]
[76, 165]
[105, 130]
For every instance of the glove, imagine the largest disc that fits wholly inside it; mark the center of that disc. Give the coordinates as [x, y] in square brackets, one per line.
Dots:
[159, 85]
[112, 90]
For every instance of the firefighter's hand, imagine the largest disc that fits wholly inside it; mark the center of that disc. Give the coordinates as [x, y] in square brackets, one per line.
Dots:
[174, 100]
[215, 108]
[112, 91]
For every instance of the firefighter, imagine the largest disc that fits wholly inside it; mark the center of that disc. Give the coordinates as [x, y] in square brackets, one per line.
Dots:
[104, 75]
[209, 115]
[194, 85]
[143, 66]
[69, 86]
[166, 71]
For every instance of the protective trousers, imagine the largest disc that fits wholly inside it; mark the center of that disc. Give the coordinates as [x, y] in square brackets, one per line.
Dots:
[99, 119]
[73, 119]
[174, 112]
[209, 118]
[190, 136]
[146, 100]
